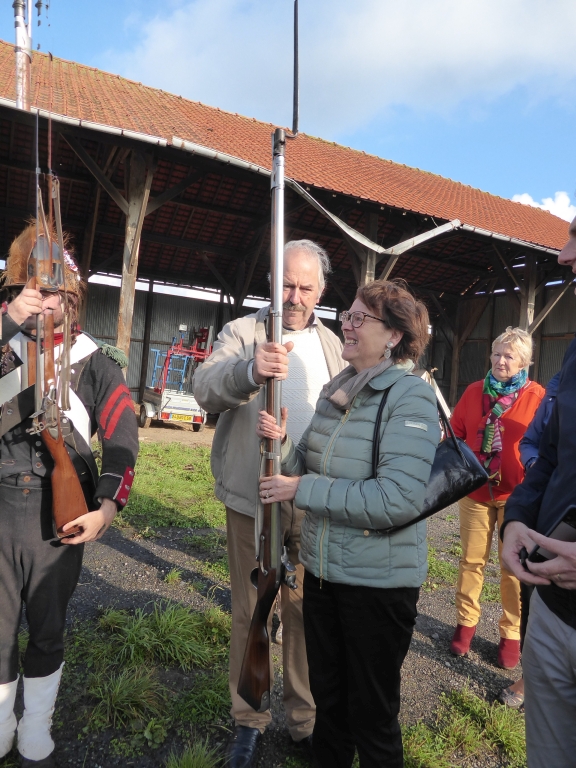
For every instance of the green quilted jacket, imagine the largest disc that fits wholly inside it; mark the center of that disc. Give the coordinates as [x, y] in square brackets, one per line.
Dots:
[344, 509]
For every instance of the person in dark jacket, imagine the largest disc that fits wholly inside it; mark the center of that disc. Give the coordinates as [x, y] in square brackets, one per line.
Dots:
[513, 695]
[531, 441]
[37, 570]
[549, 656]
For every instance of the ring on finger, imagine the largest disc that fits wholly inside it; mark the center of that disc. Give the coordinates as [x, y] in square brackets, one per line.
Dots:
[558, 577]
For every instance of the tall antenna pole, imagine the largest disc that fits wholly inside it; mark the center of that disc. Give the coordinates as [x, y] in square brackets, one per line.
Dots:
[23, 51]
[296, 98]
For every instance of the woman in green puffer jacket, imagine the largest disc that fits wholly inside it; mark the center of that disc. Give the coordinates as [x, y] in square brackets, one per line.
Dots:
[361, 586]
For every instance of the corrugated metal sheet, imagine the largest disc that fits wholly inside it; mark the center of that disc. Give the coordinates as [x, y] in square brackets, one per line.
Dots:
[562, 319]
[552, 353]
[482, 329]
[168, 313]
[505, 314]
[473, 361]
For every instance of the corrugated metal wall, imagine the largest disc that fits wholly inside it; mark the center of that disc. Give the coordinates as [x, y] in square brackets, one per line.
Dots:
[556, 333]
[168, 313]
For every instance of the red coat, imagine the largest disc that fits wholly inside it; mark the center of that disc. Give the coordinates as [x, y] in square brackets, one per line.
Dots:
[466, 420]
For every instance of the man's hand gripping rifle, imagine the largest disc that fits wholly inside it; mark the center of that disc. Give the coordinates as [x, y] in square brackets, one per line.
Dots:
[47, 272]
[273, 564]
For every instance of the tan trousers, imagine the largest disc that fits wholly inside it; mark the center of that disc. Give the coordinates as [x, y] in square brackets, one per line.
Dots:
[298, 701]
[477, 523]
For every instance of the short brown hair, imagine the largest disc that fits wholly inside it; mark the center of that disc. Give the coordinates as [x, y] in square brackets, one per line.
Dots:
[401, 311]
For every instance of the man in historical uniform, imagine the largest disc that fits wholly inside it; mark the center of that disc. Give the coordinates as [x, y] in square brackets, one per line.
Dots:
[231, 383]
[37, 569]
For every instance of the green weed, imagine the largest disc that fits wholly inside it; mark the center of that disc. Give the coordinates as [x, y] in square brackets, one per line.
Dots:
[207, 702]
[171, 635]
[456, 549]
[173, 576]
[213, 541]
[186, 501]
[133, 694]
[466, 728]
[490, 593]
[199, 755]
[440, 572]
[218, 570]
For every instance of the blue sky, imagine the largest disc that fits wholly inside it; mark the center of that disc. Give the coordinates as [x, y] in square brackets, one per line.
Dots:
[483, 92]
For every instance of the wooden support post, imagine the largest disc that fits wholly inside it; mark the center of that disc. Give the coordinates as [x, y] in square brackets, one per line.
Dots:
[455, 367]
[529, 293]
[537, 339]
[146, 343]
[141, 171]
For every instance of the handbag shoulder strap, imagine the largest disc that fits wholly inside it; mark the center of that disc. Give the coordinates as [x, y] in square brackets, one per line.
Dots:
[376, 436]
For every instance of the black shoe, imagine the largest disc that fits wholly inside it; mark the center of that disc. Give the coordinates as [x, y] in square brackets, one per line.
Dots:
[242, 746]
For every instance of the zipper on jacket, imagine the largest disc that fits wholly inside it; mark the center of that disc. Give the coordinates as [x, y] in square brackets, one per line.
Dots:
[343, 420]
[324, 524]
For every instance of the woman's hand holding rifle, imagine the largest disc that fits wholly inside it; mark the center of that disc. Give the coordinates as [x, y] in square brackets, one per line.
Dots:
[279, 487]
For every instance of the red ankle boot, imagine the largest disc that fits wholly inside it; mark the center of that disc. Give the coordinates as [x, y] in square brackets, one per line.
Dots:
[460, 644]
[508, 653]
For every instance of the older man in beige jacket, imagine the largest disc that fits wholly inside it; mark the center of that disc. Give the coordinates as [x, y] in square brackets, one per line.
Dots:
[231, 383]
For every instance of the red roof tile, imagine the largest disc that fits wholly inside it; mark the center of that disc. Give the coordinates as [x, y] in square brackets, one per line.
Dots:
[90, 94]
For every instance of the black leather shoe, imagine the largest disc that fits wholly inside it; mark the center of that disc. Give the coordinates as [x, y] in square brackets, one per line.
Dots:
[241, 749]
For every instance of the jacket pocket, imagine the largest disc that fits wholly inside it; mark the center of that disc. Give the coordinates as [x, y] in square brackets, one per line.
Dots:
[364, 555]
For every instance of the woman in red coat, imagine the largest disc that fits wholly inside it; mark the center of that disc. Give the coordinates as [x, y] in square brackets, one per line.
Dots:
[491, 417]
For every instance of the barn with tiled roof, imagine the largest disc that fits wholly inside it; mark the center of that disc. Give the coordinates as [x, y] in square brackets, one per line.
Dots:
[159, 187]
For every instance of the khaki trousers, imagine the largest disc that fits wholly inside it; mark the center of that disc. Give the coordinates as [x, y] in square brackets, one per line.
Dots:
[477, 523]
[298, 701]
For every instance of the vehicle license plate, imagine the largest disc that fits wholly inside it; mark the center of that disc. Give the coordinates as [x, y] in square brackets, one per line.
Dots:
[181, 417]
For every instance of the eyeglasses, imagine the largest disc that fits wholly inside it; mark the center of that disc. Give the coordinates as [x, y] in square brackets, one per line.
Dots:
[357, 318]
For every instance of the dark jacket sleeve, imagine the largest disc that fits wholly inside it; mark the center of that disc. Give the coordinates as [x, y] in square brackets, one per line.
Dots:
[9, 329]
[524, 502]
[529, 444]
[103, 390]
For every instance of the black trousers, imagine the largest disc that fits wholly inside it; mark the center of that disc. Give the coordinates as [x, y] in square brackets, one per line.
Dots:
[36, 571]
[356, 641]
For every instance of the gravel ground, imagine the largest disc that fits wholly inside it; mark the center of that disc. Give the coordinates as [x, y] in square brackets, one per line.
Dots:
[128, 572]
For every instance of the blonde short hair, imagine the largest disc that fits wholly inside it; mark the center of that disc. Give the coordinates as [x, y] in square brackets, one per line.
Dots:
[519, 340]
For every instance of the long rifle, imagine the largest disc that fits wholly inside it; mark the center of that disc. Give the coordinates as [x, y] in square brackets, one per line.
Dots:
[273, 565]
[68, 501]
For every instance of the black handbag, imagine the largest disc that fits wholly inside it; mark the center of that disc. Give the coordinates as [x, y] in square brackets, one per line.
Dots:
[456, 471]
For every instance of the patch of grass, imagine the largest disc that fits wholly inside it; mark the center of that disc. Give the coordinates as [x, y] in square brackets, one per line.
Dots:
[456, 549]
[186, 501]
[213, 541]
[171, 635]
[466, 727]
[199, 755]
[174, 576]
[490, 593]
[133, 694]
[218, 570]
[207, 702]
[440, 572]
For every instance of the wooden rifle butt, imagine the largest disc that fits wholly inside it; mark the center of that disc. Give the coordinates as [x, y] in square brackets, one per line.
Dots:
[68, 501]
[254, 684]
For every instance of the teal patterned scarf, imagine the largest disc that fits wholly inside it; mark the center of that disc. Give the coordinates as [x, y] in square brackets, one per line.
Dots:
[497, 397]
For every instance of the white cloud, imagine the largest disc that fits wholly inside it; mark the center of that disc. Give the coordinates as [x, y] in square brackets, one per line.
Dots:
[560, 205]
[358, 58]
